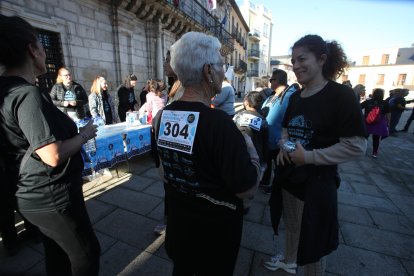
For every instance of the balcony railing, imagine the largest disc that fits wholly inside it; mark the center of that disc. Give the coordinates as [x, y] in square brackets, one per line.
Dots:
[254, 53]
[198, 13]
[240, 67]
[255, 36]
[253, 73]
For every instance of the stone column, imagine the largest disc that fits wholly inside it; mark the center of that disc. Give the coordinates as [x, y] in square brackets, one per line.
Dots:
[159, 54]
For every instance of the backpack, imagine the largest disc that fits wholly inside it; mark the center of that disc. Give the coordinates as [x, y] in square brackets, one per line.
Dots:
[373, 115]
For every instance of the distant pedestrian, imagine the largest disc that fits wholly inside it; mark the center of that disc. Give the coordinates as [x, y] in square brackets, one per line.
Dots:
[377, 127]
[359, 91]
[225, 99]
[409, 120]
[397, 106]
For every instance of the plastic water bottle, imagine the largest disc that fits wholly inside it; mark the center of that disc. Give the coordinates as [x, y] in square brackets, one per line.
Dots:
[143, 118]
[98, 121]
[90, 145]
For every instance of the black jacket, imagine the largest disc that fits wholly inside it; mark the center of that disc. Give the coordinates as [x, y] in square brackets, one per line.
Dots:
[58, 96]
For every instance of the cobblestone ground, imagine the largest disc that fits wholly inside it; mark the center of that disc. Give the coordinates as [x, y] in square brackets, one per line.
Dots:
[376, 218]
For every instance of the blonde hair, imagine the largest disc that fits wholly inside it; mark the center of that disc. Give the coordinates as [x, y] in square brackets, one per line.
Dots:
[96, 85]
[59, 78]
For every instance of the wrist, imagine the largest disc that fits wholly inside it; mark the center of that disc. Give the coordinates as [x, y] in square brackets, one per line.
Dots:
[309, 157]
[84, 138]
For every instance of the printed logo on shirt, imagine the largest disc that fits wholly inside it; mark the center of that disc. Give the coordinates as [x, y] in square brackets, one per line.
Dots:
[131, 97]
[300, 129]
[69, 96]
[177, 130]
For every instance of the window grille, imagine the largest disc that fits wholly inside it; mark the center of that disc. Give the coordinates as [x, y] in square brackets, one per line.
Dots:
[54, 59]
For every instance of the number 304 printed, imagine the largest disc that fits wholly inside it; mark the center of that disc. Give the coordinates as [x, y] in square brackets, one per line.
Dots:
[175, 131]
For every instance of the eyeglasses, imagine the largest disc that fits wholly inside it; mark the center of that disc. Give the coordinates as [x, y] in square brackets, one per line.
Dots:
[66, 75]
[270, 80]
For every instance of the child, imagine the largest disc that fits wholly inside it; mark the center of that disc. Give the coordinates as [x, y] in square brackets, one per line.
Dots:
[254, 124]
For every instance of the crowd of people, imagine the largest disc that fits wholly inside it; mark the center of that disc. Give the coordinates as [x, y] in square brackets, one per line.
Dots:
[298, 133]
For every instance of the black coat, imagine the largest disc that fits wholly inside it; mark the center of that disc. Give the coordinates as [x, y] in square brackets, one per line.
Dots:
[58, 97]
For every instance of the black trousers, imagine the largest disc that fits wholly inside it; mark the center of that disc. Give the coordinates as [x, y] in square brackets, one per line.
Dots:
[7, 225]
[71, 246]
[202, 238]
[375, 143]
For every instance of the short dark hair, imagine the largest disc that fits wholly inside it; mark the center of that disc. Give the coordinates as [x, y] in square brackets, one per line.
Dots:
[378, 94]
[15, 34]
[255, 99]
[280, 75]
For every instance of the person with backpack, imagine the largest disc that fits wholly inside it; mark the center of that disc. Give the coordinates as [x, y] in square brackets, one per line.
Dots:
[42, 149]
[377, 118]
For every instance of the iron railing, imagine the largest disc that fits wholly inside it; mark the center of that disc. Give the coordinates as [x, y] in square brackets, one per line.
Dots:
[195, 11]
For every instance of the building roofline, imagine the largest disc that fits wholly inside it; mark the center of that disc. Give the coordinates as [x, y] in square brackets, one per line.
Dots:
[236, 8]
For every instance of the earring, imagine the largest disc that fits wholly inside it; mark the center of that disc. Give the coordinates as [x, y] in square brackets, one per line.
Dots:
[211, 81]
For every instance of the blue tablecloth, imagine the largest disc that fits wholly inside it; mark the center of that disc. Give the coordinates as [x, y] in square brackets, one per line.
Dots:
[117, 143]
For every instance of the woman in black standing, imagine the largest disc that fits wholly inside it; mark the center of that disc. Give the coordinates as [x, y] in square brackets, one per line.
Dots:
[325, 122]
[41, 147]
[126, 97]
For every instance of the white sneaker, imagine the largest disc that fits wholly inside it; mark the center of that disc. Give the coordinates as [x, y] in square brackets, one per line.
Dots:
[275, 263]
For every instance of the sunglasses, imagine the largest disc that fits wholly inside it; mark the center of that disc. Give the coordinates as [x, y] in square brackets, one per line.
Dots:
[270, 80]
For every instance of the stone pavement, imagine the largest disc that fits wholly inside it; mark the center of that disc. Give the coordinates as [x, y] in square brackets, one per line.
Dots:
[376, 216]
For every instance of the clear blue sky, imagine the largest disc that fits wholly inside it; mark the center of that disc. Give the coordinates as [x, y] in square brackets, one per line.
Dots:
[357, 24]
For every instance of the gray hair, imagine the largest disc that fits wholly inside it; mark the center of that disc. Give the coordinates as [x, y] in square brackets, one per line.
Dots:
[190, 53]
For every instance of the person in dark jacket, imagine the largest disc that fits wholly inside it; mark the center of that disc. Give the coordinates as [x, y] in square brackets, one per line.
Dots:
[126, 97]
[69, 96]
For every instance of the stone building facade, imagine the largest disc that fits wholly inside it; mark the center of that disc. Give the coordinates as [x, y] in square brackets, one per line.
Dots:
[114, 38]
